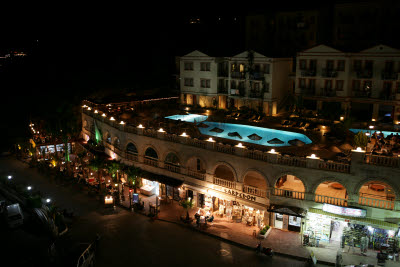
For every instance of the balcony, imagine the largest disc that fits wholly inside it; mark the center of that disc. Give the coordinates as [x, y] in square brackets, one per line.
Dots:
[255, 94]
[326, 92]
[307, 91]
[223, 73]
[389, 75]
[237, 92]
[222, 90]
[329, 73]
[172, 167]
[254, 191]
[361, 94]
[259, 76]
[238, 75]
[151, 162]
[364, 74]
[308, 73]
[288, 193]
[197, 174]
[224, 183]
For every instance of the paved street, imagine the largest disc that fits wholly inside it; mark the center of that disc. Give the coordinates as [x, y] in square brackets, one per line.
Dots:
[129, 238]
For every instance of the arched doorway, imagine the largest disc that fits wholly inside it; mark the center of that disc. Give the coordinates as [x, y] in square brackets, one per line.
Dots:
[224, 176]
[289, 186]
[254, 183]
[172, 163]
[131, 152]
[151, 157]
[331, 192]
[377, 194]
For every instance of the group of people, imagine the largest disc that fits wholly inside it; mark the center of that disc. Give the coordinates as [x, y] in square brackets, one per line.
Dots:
[378, 144]
[203, 216]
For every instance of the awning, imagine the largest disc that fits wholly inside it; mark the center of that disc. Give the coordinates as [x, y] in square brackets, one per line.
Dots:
[288, 210]
[363, 221]
[161, 178]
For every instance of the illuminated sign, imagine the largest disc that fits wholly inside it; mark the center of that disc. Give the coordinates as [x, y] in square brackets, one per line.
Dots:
[344, 211]
[241, 195]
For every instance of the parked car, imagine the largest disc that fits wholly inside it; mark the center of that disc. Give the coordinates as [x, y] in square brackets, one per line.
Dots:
[14, 215]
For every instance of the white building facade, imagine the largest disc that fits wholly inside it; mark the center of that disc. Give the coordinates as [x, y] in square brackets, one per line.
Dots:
[247, 79]
[362, 82]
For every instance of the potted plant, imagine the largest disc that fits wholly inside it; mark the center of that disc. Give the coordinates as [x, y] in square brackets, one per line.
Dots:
[263, 232]
[186, 204]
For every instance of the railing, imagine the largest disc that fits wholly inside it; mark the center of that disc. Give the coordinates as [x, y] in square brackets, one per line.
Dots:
[150, 133]
[328, 73]
[131, 129]
[331, 200]
[225, 148]
[223, 73]
[364, 73]
[118, 151]
[254, 191]
[307, 91]
[172, 167]
[197, 174]
[308, 73]
[132, 157]
[255, 94]
[224, 183]
[334, 166]
[288, 193]
[376, 203]
[327, 92]
[382, 160]
[171, 138]
[151, 162]
[257, 76]
[222, 90]
[238, 75]
[196, 142]
[255, 154]
[291, 161]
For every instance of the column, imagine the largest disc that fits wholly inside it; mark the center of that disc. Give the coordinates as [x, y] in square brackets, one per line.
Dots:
[375, 111]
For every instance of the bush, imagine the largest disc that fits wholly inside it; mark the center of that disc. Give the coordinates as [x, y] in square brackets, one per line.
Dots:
[264, 230]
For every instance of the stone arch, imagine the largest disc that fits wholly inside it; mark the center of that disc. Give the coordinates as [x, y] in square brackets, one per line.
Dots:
[363, 182]
[151, 152]
[131, 148]
[223, 169]
[172, 158]
[196, 163]
[278, 180]
[331, 191]
[255, 178]
[324, 180]
[116, 142]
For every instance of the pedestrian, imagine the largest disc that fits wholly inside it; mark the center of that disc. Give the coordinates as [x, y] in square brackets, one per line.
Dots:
[351, 244]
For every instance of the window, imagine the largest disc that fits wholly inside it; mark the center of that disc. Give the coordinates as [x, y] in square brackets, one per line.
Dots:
[328, 84]
[302, 83]
[389, 66]
[205, 66]
[311, 84]
[339, 85]
[188, 82]
[241, 67]
[356, 85]
[302, 64]
[357, 65]
[329, 64]
[367, 85]
[369, 64]
[266, 87]
[188, 65]
[233, 67]
[313, 64]
[340, 65]
[256, 86]
[205, 83]
[267, 68]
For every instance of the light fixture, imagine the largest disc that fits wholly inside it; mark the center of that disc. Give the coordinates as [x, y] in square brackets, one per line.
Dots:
[210, 139]
[371, 127]
[89, 108]
[341, 118]
[272, 151]
[373, 120]
[9, 177]
[367, 134]
[116, 185]
[184, 134]
[239, 145]
[161, 130]
[29, 187]
[48, 200]
[313, 156]
[359, 149]
[140, 126]
[96, 111]
[112, 119]
[103, 115]
[122, 122]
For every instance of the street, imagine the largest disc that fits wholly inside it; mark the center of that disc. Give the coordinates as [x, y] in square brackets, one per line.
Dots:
[126, 238]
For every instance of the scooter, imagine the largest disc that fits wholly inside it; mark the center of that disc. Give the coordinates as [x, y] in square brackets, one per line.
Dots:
[267, 251]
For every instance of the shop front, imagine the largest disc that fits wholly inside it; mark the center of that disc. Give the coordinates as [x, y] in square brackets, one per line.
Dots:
[229, 205]
[286, 218]
[343, 227]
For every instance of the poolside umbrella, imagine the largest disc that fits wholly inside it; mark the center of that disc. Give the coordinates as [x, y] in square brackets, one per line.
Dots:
[254, 137]
[235, 134]
[335, 149]
[346, 146]
[315, 147]
[275, 141]
[202, 125]
[217, 130]
[296, 142]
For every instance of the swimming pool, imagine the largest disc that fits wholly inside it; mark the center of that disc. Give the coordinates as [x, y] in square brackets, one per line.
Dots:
[243, 133]
[189, 118]
[385, 133]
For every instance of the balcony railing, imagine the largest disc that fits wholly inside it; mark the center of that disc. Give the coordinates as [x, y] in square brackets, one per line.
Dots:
[291, 161]
[259, 76]
[237, 92]
[224, 183]
[364, 74]
[308, 73]
[222, 90]
[334, 166]
[382, 160]
[288, 193]
[172, 167]
[254, 191]
[255, 94]
[225, 148]
[151, 162]
[329, 73]
[238, 75]
[389, 75]
[376, 203]
[196, 174]
[132, 157]
[331, 200]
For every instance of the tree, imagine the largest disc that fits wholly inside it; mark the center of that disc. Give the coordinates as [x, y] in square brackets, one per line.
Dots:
[97, 164]
[113, 167]
[133, 174]
[186, 204]
[360, 140]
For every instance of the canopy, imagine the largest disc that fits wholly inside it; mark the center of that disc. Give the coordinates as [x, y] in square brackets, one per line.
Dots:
[217, 130]
[235, 134]
[296, 142]
[254, 137]
[288, 210]
[275, 141]
[161, 178]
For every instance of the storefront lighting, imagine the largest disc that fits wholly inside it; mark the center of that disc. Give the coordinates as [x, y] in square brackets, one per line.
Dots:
[108, 200]
[122, 122]
[210, 139]
[184, 134]
[161, 130]
[140, 126]
[112, 119]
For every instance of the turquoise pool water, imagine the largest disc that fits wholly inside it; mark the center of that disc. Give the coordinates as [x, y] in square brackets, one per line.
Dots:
[244, 131]
[189, 118]
[385, 133]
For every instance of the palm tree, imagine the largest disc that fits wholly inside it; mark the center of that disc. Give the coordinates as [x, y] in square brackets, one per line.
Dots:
[113, 167]
[97, 164]
[186, 204]
[133, 174]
